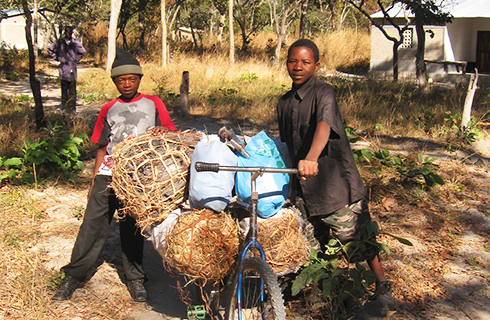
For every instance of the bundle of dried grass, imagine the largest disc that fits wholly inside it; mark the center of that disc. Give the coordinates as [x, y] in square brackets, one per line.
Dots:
[203, 245]
[149, 175]
[285, 245]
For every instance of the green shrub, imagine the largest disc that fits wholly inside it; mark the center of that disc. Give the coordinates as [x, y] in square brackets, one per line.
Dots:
[58, 154]
[334, 282]
[408, 170]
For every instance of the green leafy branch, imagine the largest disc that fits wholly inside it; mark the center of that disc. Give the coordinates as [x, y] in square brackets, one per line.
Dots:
[336, 283]
[467, 134]
[59, 153]
[407, 170]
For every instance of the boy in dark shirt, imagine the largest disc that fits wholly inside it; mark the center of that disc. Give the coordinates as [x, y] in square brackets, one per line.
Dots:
[330, 184]
[110, 129]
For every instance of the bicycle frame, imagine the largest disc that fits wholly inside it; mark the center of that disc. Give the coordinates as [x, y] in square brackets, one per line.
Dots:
[251, 239]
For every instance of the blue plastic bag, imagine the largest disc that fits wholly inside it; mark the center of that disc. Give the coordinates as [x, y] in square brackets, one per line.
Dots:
[212, 190]
[273, 188]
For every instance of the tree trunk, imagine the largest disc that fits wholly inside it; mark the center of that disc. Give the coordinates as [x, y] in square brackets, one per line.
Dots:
[468, 102]
[35, 23]
[34, 82]
[164, 35]
[49, 31]
[173, 30]
[282, 23]
[277, 52]
[222, 18]
[193, 34]
[184, 93]
[232, 34]
[420, 67]
[395, 61]
[111, 41]
[302, 20]
[141, 21]
[243, 32]
[212, 23]
[280, 38]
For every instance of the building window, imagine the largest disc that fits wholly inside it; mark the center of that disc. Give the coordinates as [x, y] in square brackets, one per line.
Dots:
[407, 39]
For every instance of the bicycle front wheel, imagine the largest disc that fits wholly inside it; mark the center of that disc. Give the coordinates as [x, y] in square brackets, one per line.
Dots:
[270, 307]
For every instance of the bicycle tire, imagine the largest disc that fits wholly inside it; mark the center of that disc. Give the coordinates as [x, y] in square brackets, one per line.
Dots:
[253, 270]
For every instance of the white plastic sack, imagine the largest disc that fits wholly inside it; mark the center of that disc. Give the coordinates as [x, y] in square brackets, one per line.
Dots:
[273, 188]
[212, 190]
[159, 232]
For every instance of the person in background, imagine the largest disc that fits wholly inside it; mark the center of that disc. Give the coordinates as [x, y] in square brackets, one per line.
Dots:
[126, 74]
[68, 52]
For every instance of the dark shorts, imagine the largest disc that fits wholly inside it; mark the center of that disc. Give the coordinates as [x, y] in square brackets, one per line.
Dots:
[349, 225]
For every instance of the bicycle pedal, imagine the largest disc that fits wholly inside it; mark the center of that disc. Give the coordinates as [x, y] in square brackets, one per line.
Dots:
[196, 312]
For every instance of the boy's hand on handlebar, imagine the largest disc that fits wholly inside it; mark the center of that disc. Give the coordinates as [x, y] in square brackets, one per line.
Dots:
[307, 168]
[158, 131]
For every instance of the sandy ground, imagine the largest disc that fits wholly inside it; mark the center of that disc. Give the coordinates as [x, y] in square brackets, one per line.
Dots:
[467, 285]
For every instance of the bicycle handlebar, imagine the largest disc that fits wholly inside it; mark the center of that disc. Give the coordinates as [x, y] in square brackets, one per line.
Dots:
[215, 167]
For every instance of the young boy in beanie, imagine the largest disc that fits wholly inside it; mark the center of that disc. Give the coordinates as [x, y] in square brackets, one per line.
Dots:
[135, 114]
[330, 188]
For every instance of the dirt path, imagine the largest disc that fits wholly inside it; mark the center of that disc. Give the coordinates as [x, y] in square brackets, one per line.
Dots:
[462, 291]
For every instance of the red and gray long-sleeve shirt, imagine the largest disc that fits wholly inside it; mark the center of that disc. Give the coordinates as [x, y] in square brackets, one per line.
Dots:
[119, 119]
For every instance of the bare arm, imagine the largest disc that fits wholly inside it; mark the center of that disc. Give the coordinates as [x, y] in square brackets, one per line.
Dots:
[99, 157]
[308, 167]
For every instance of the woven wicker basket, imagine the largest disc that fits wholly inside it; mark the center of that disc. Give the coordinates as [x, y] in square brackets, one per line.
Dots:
[150, 174]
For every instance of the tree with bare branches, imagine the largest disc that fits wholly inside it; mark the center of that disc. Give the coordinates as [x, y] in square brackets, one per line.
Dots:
[424, 12]
[284, 13]
[250, 18]
[387, 19]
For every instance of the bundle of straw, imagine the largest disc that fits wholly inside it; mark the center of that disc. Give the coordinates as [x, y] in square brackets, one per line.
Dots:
[150, 173]
[202, 244]
[283, 240]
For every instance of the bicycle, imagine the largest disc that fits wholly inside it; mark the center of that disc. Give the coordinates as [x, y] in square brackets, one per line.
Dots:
[254, 291]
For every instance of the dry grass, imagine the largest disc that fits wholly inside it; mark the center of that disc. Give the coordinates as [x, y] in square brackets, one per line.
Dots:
[249, 88]
[16, 125]
[217, 88]
[387, 108]
[23, 276]
[345, 50]
[29, 239]
[437, 222]
[252, 86]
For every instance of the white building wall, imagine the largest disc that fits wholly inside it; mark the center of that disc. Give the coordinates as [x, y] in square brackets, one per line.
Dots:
[12, 32]
[463, 35]
[382, 51]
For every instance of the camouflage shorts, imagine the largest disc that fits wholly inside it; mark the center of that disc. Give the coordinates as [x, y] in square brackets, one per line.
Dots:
[347, 224]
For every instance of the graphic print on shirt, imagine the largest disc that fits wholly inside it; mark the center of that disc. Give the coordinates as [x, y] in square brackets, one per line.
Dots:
[129, 119]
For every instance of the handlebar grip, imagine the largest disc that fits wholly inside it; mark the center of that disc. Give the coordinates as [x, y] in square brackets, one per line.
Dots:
[203, 166]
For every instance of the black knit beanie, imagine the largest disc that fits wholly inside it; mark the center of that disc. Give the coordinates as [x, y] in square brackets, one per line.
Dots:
[125, 63]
